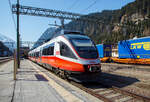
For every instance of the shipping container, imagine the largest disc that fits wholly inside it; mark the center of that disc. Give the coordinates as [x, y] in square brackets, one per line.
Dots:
[135, 49]
[104, 50]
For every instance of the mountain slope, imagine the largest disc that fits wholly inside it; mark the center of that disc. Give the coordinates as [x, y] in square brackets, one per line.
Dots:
[125, 23]
[8, 42]
[4, 51]
[47, 35]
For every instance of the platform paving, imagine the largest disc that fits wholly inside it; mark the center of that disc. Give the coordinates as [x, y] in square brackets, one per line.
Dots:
[32, 85]
[6, 82]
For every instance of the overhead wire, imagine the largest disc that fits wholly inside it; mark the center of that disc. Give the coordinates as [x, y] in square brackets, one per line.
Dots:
[73, 4]
[12, 15]
[90, 5]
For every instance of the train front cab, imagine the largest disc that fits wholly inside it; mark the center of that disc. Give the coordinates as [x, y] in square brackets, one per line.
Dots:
[80, 62]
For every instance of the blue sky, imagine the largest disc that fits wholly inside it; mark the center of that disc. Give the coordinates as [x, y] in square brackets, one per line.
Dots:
[31, 28]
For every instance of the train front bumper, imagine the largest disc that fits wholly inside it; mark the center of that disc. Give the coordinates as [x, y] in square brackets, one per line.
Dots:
[91, 74]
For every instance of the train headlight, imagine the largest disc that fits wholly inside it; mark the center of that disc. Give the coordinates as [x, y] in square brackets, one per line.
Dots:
[95, 68]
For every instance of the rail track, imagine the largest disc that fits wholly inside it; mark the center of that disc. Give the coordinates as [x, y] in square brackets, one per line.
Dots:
[5, 59]
[110, 93]
[117, 66]
[106, 92]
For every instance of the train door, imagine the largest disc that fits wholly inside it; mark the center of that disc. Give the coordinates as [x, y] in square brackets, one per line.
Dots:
[56, 49]
[57, 53]
[40, 55]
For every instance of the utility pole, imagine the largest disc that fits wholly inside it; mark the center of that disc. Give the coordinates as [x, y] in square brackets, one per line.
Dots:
[15, 65]
[18, 37]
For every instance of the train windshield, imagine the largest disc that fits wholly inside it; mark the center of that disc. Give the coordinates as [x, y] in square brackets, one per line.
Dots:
[85, 48]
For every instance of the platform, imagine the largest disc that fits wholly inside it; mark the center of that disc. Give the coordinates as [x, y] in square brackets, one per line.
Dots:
[35, 84]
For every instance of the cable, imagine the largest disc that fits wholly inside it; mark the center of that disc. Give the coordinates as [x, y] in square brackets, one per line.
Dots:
[12, 15]
[73, 4]
[90, 5]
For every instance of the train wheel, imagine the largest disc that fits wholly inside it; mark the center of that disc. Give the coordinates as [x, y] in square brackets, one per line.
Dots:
[56, 71]
[63, 74]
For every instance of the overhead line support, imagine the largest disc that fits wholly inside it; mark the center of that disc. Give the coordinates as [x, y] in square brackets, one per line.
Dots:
[34, 11]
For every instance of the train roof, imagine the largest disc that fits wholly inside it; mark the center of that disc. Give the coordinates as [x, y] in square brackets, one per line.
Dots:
[75, 36]
[71, 32]
[66, 33]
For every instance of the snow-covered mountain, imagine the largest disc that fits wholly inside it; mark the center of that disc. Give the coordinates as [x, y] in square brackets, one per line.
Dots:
[11, 44]
[47, 35]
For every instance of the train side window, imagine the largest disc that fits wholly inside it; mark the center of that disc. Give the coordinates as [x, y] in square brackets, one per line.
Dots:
[66, 51]
[44, 52]
[51, 50]
[48, 51]
[37, 54]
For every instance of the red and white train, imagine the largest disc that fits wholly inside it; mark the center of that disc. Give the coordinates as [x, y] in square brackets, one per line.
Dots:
[71, 55]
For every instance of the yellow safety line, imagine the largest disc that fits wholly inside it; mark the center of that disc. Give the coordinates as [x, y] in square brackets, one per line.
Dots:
[69, 97]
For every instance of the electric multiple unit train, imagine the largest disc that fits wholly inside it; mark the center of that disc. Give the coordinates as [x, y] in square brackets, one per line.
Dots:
[71, 55]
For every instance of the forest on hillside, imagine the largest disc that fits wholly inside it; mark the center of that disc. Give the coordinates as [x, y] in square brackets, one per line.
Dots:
[125, 23]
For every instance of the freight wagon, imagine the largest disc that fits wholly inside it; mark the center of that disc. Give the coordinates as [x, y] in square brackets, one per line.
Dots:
[134, 51]
[105, 52]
